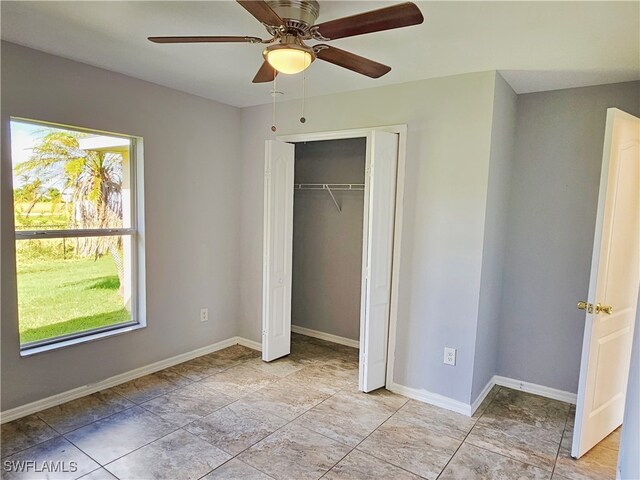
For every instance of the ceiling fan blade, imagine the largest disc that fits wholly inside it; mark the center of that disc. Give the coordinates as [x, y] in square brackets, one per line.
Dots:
[216, 39]
[266, 73]
[262, 12]
[396, 16]
[352, 61]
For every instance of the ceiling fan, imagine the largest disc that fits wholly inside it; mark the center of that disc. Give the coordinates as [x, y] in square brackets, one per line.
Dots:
[291, 22]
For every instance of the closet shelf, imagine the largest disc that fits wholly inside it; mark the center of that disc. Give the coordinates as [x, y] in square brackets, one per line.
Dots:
[356, 187]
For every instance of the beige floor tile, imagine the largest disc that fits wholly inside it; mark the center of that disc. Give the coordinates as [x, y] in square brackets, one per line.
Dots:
[512, 407]
[285, 399]
[295, 453]
[361, 466]
[280, 367]
[235, 352]
[240, 380]
[473, 463]
[235, 427]
[99, 474]
[322, 378]
[346, 417]
[411, 447]
[145, 388]
[82, 411]
[599, 463]
[436, 419]
[390, 399]
[178, 455]
[24, 433]
[57, 453]
[187, 404]
[612, 440]
[236, 470]
[487, 400]
[521, 442]
[310, 353]
[202, 367]
[120, 434]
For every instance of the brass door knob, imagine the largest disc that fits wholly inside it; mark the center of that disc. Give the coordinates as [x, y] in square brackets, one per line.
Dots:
[608, 309]
[585, 306]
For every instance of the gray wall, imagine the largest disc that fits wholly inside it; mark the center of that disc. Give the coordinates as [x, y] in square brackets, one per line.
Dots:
[327, 244]
[491, 285]
[628, 459]
[551, 221]
[447, 161]
[192, 195]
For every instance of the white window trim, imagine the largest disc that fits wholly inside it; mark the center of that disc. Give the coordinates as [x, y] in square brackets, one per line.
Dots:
[136, 232]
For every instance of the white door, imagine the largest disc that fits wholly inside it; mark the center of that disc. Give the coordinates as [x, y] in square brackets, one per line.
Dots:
[615, 272]
[379, 215]
[278, 238]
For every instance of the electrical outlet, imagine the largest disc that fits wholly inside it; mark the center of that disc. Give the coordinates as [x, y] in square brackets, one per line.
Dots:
[204, 314]
[449, 356]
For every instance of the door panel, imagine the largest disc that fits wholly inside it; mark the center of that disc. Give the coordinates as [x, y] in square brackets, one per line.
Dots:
[380, 195]
[278, 238]
[615, 274]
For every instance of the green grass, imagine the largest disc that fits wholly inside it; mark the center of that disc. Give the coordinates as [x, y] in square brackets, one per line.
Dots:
[59, 297]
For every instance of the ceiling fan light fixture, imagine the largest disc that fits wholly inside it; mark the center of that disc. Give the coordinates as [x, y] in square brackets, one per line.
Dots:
[289, 58]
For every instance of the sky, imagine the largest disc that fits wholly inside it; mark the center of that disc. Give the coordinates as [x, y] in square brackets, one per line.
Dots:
[24, 136]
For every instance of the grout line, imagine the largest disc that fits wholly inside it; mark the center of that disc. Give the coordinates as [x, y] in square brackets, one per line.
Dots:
[467, 435]
[138, 448]
[508, 456]
[471, 429]
[555, 463]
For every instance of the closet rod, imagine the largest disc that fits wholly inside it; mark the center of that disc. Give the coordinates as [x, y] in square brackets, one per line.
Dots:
[358, 187]
[332, 186]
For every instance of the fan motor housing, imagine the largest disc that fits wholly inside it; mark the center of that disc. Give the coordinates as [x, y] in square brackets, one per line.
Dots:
[296, 12]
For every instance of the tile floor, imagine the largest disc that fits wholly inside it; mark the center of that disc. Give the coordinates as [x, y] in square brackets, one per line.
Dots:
[228, 415]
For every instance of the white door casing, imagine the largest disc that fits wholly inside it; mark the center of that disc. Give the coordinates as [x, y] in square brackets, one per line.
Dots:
[615, 274]
[278, 251]
[378, 226]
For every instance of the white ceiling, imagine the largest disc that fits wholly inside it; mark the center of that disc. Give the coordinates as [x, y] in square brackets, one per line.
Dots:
[536, 45]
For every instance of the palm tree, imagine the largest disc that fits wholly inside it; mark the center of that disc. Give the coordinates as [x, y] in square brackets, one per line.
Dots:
[94, 180]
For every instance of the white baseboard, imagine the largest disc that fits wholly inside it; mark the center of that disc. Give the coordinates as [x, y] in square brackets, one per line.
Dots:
[541, 390]
[431, 398]
[483, 394]
[245, 342]
[325, 336]
[469, 409]
[52, 401]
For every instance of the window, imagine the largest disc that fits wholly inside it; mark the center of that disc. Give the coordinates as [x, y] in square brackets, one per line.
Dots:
[77, 235]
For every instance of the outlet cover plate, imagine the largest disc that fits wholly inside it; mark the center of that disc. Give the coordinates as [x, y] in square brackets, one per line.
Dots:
[449, 356]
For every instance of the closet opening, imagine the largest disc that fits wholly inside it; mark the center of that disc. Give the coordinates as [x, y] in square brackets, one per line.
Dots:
[328, 210]
[331, 246]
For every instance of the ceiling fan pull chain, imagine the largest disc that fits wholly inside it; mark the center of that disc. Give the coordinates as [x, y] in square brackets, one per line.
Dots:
[273, 94]
[304, 94]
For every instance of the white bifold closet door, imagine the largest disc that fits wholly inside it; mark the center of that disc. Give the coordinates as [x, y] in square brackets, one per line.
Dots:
[379, 218]
[278, 249]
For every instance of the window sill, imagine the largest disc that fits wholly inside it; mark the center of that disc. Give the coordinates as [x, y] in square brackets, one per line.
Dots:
[27, 352]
